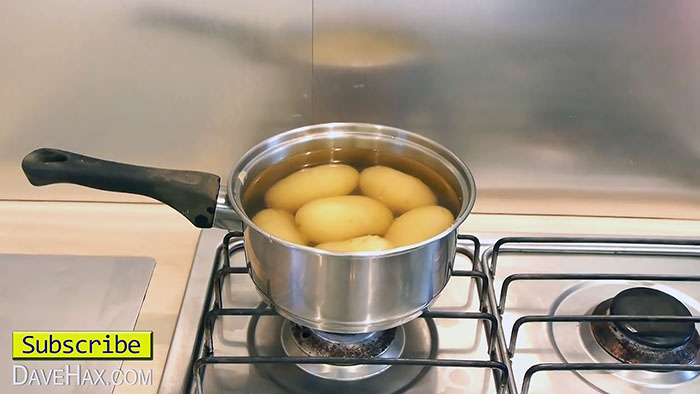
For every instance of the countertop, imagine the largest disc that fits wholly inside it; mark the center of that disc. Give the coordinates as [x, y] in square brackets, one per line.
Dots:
[156, 231]
[113, 229]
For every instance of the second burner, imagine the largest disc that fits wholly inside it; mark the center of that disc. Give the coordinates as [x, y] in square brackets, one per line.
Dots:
[646, 342]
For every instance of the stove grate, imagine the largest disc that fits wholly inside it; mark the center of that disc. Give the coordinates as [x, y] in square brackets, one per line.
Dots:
[469, 246]
[585, 246]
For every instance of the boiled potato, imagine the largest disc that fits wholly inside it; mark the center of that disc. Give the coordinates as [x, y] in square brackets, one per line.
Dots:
[280, 224]
[366, 243]
[339, 218]
[418, 225]
[398, 191]
[311, 183]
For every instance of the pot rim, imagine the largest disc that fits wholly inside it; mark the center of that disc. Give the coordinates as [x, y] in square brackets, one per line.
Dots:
[237, 178]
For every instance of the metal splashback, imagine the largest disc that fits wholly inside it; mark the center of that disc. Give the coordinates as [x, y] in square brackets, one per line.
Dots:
[559, 106]
[165, 83]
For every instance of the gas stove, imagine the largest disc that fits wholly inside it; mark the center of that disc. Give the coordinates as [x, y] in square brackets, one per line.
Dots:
[519, 315]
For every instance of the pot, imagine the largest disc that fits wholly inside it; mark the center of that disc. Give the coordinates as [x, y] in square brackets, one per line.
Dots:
[329, 291]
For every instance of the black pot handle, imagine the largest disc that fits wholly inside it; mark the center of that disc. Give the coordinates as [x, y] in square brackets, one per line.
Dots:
[192, 193]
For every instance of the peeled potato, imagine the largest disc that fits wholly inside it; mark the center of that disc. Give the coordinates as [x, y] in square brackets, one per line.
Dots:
[366, 243]
[311, 183]
[339, 218]
[418, 225]
[398, 191]
[280, 224]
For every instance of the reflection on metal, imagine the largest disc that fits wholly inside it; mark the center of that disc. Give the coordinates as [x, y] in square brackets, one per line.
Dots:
[170, 84]
[560, 107]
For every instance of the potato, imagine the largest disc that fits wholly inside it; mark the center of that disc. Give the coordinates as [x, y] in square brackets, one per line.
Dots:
[310, 184]
[339, 218]
[280, 224]
[418, 225]
[400, 192]
[367, 243]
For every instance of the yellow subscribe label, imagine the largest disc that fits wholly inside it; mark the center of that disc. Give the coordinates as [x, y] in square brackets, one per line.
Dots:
[80, 345]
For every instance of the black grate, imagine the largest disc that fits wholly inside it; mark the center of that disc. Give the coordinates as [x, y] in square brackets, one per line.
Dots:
[468, 246]
[583, 246]
[492, 306]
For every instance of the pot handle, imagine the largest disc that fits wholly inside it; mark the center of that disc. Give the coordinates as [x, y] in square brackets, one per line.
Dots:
[192, 193]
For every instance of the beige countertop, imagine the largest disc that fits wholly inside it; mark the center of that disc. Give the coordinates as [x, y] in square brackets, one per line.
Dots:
[156, 231]
[113, 229]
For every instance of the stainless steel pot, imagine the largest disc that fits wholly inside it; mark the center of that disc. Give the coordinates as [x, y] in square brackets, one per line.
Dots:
[336, 292]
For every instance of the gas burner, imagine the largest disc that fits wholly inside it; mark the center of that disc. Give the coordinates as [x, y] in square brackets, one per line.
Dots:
[646, 342]
[576, 343]
[274, 336]
[302, 341]
[325, 344]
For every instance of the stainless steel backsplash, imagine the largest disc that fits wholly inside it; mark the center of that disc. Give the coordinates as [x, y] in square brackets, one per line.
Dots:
[558, 106]
[169, 83]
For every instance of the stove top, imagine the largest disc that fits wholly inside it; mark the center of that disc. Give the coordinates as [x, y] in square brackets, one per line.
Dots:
[549, 290]
[519, 315]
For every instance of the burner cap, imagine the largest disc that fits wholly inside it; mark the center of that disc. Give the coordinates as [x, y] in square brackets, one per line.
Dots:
[646, 342]
[646, 301]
